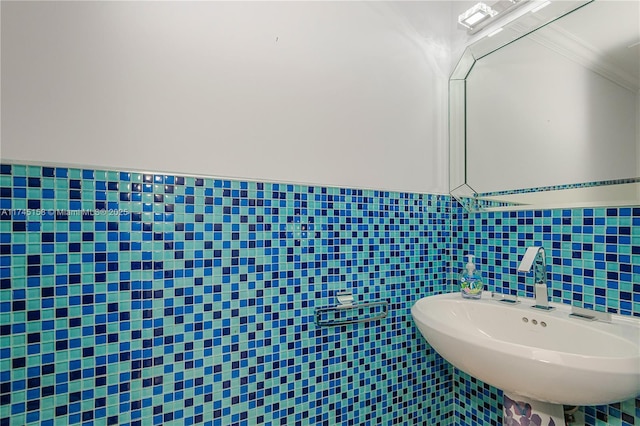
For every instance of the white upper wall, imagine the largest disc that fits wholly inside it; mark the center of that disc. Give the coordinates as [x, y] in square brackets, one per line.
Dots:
[333, 93]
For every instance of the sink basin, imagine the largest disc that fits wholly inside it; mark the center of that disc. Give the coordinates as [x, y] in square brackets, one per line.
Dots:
[543, 355]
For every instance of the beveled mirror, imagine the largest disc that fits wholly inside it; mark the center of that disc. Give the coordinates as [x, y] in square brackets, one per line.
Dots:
[545, 114]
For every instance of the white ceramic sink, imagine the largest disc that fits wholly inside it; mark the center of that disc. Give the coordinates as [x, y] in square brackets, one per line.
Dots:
[564, 361]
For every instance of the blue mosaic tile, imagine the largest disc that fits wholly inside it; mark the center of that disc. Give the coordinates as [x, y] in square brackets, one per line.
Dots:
[476, 402]
[135, 298]
[593, 258]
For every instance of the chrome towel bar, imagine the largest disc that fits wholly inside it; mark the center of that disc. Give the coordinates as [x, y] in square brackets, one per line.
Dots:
[344, 314]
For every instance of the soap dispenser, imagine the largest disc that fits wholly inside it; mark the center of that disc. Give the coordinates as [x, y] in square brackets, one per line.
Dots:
[471, 280]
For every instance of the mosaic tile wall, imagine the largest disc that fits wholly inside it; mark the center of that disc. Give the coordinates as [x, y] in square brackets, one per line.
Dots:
[138, 299]
[593, 256]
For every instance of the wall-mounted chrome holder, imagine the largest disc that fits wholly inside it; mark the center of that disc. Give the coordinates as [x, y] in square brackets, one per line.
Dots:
[346, 312]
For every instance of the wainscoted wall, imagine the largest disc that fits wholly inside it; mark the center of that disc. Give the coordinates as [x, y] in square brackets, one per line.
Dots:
[130, 296]
[127, 297]
[594, 261]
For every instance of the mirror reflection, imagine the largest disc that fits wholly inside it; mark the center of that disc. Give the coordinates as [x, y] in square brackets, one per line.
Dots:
[552, 119]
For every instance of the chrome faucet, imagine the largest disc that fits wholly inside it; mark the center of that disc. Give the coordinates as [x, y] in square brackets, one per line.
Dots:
[534, 258]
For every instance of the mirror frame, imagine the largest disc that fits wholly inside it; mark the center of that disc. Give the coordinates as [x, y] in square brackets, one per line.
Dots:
[520, 198]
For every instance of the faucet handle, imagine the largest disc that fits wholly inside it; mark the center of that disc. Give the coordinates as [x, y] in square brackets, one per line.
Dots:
[589, 314]
[506, 298]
